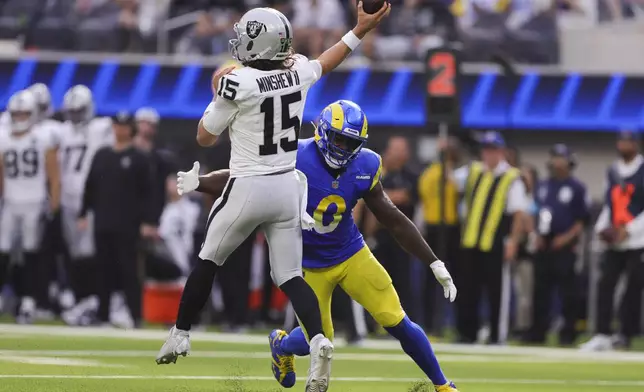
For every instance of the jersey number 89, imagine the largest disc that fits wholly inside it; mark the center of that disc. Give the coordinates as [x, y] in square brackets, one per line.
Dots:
[23, 163]
[322, 211]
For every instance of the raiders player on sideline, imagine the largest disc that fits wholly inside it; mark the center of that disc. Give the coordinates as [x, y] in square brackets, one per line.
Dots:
[52, 246]
[28, 164]
[262, 103]
[82, 135]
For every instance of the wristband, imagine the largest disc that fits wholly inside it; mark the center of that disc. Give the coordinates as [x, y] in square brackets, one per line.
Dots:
[351, 40]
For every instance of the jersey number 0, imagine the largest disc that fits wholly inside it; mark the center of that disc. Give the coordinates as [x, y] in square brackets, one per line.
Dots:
[268, 108]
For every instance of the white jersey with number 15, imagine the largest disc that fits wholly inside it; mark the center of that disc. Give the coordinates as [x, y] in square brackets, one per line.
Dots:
[263, 110]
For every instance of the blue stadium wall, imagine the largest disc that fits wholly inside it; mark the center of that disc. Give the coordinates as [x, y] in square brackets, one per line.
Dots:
[392, 100]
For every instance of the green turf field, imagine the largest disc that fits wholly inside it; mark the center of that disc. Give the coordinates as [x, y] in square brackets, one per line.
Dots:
[51, 359]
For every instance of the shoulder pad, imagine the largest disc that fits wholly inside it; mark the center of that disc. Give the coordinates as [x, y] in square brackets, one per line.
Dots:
[301, 143]
[373, 163]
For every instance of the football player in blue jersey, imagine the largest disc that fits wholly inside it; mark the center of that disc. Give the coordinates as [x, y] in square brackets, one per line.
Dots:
[340, 172]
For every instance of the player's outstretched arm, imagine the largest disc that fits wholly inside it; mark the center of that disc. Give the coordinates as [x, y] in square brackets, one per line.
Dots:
[403, 229]
[213, 183]
[334, 56]
[408, 236]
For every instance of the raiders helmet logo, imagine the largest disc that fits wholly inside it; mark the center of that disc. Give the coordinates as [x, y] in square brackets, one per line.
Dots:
[254, 29]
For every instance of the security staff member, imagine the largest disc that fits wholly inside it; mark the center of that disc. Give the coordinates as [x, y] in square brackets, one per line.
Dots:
[495, 204]
[118, 192]
[442, 226]
[563, 211]
[621, 227]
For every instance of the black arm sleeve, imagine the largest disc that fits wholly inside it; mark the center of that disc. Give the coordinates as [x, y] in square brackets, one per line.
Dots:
[145, 183]
[90, 185]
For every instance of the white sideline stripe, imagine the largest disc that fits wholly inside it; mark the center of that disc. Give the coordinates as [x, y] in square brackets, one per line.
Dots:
[265, 355]
[371, 344]
[27, 360]
[506, 381]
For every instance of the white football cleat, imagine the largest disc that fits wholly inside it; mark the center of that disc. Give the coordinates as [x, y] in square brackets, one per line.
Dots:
[320, 369]
[178, 343]
[598, 343]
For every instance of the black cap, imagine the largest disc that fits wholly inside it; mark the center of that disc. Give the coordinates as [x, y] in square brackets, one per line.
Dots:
[122, 118]
[629, 135]
[562, 150]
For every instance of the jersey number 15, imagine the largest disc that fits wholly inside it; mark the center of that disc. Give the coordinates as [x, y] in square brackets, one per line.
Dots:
[268, 108]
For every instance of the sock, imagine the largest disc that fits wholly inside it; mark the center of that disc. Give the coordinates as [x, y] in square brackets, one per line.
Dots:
[196, 293]
[32, 278]
[4, 269]
[305, 304]
[415, 344]
[295, 343]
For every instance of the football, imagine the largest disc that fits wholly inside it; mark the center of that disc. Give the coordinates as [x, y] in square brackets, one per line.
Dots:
[371, 6]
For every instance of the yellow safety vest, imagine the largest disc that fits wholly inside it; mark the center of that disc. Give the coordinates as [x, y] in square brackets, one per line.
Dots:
[429, 190]
[460, 7]
[485, 197]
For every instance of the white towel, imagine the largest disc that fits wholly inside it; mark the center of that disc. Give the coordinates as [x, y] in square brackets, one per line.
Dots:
[306, 220]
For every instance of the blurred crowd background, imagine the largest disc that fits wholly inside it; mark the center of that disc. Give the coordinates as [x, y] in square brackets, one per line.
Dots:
[521, 31]
[526, 30]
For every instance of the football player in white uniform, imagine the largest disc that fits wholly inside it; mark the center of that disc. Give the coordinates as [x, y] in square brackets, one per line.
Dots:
[82, 136]
[52, 247]
[28, 165]
[45, 110]
[262, 104]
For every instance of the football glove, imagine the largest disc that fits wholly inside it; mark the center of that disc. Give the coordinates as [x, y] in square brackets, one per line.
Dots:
[188, 181]
[445, 279]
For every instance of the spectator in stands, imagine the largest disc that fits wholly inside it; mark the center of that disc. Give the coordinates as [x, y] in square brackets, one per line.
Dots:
[532, 32]
[214, 28]
[622, 9]
[404, 35]
[96, 21]
[314, 32]
[151, 14]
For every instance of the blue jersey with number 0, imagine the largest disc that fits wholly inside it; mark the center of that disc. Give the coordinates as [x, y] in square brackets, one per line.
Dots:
[335, 237]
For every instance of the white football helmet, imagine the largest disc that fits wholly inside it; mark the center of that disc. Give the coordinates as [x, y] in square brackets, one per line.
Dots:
[78, 105]
[23, 110]
[43, 99]
[262, 34]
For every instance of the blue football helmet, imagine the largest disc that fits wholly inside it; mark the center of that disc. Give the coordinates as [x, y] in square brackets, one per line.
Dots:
[341, 132]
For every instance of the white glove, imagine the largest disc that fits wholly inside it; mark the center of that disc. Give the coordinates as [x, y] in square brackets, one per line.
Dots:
[445, 279]
[188, 181]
